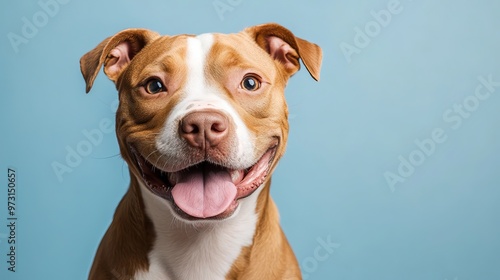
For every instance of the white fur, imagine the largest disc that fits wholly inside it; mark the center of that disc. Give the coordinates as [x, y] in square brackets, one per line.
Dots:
[198, 94]
[202, 249]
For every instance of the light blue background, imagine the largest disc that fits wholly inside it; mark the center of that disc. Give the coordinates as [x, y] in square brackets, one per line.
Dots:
[442, 222]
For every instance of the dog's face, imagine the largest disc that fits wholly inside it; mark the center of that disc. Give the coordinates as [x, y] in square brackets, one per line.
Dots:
[202, 120]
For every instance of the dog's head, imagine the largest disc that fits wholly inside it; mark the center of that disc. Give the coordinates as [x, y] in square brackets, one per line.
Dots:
[202, 120]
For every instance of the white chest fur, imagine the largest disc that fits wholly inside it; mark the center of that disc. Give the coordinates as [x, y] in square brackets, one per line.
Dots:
[198, 250]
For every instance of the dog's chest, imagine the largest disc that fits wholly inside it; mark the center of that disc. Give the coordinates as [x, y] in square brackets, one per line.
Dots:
[210, 259]
[186, 252]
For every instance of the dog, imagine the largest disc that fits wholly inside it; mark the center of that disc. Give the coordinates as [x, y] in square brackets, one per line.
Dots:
[202, 123]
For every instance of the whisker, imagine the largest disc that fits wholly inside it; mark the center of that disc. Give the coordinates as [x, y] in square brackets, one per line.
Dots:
[108, 157]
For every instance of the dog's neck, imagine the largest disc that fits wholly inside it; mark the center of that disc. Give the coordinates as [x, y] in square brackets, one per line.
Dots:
[205, 250]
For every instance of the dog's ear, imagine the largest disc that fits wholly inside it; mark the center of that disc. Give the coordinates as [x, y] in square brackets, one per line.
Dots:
[283, 46]
[115, 53]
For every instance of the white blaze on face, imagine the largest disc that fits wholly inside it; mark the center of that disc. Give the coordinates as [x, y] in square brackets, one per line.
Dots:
[199, 95]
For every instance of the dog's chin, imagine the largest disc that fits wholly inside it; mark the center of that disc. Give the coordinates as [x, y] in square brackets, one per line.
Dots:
[224, 192]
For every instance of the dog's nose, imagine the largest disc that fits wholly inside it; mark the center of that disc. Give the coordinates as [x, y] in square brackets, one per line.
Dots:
[204, 128]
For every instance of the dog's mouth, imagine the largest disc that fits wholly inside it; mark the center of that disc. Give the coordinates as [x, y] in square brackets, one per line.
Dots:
[205, 190]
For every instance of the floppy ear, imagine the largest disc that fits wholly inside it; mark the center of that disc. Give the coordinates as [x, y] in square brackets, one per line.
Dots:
[283, 46]
[115, 53]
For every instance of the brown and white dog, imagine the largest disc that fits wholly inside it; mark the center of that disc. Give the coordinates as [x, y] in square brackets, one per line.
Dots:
[202, 122]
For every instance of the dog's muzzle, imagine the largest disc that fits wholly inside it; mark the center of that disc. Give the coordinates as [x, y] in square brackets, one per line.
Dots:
[208, 188]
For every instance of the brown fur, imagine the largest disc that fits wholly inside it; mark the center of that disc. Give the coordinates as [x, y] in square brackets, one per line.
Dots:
[125, 246]
[270, 256]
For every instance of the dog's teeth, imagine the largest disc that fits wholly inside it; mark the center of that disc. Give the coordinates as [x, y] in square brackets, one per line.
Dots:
[236, 176]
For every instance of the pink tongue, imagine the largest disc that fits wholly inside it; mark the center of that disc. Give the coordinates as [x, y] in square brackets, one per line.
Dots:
[204, 194]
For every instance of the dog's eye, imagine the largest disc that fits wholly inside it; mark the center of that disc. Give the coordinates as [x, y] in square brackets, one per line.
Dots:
[250, 83]
[155, 86]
